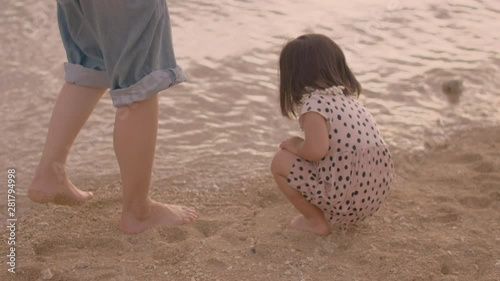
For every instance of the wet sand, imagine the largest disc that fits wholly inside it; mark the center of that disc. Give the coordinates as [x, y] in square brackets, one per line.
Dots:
[440, 222]
[401, 51]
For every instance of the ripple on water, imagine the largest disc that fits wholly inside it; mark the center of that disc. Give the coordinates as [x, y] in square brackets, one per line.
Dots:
[224, 123]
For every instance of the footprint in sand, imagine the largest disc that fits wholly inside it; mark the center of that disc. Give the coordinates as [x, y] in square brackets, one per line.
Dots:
[209, 228]
[173, 234]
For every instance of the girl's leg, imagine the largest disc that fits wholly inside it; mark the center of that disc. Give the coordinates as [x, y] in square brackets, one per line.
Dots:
[135, 141]
[312, 218]
[72, 109]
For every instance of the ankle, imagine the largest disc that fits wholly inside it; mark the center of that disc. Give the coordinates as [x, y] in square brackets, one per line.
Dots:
[138, 210]
[317, 219]
[56, 171]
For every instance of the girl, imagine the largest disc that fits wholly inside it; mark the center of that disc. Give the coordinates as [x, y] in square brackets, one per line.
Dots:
[342, 170]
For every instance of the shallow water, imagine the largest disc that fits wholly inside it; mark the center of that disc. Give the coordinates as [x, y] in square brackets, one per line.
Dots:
[224, 124]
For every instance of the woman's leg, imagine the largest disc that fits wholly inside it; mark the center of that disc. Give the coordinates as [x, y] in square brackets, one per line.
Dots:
[135, 142]
[73, 107]
[312, 218]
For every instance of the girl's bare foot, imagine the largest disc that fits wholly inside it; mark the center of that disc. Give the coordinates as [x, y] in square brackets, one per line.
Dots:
[62, 192]
[158, 214]
[319, 226]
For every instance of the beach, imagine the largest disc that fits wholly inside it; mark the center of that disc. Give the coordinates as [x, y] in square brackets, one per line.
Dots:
[219, 131]
[440, 222]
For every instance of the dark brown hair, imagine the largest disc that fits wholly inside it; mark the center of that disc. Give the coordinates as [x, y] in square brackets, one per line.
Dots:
[315, 61]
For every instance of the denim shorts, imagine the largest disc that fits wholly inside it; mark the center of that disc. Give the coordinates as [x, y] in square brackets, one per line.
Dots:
[124, 45]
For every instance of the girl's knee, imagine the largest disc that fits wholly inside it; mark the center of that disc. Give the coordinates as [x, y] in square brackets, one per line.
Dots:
[282, 162]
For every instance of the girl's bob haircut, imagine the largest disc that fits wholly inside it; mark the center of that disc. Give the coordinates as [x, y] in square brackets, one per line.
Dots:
[312, 61]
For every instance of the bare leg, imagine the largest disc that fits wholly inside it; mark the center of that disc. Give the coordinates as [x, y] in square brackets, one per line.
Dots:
[312, 218]
[135, 141]
[50, 184]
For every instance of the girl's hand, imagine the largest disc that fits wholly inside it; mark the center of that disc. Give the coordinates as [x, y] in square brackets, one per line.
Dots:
[292, 144]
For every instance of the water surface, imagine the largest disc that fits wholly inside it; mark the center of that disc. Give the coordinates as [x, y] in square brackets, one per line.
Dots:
[224, 124]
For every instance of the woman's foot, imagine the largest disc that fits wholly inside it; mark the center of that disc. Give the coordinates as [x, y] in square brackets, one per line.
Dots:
[158, 214]
[54, 190]
[318, 226]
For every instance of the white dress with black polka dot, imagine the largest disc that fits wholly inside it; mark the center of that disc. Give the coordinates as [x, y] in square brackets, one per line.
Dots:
[352, 181]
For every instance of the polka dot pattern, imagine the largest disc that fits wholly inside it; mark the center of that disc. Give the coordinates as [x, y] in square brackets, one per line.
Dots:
[353, 179]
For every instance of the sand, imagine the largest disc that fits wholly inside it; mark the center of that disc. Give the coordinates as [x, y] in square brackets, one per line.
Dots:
[440, 222]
